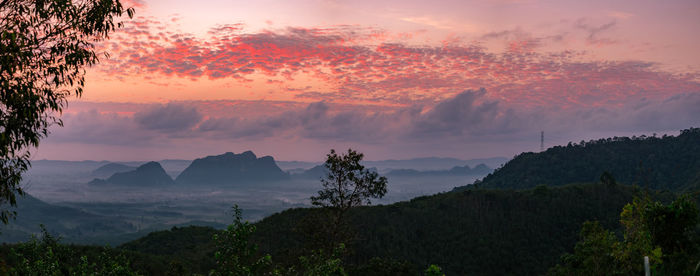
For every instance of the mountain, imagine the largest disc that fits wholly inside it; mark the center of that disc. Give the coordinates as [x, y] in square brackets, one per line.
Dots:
[480, 169]
[230, 168]
[110, 169]
[149, 174]
[662, 163]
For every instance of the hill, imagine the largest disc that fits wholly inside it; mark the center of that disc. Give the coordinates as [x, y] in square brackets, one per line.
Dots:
[110, 169]
[479, 232]
[474, 232]
[230, 169]
[480, 169]
[662, 163]
[146, 175]
[191, 246]
[74, 225]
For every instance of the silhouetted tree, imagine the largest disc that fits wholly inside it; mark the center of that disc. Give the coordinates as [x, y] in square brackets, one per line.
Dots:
[44, 49]
[347, 184]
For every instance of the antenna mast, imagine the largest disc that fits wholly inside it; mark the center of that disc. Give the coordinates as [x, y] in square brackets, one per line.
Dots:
[542, 141]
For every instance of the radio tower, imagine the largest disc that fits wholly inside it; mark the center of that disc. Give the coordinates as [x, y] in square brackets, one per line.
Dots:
[542, 141]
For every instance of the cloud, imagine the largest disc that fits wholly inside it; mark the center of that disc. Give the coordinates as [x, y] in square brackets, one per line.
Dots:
[96, 128]
[593, 31]
[350, 63]
[168, 118]
[468, 122]
[673, 113]
[466, 114]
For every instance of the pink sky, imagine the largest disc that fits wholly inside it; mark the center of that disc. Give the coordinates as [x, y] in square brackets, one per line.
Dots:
[393, 79]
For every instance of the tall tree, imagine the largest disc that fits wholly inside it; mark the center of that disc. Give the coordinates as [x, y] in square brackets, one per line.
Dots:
[45, 46]
[347, 184]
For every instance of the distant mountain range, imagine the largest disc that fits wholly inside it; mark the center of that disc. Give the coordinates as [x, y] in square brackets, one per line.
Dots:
[419, 164]
[246, 168]
[225, 169]
[481, 169]
[87, 170]
[434, 163]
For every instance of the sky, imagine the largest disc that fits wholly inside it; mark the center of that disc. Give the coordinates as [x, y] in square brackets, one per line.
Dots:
[391, 79]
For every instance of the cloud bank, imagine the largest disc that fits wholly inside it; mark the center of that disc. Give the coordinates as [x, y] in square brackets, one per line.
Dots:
[469, 118]
[351, 63]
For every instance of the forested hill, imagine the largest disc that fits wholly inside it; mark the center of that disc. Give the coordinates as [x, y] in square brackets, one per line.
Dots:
[662, 163]
[479, 232]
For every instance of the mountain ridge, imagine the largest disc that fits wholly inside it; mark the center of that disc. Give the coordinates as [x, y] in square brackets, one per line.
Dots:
[149, 174]
[660, 163]
[230, 168]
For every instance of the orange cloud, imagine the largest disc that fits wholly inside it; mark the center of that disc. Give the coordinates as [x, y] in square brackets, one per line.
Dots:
[344, 63]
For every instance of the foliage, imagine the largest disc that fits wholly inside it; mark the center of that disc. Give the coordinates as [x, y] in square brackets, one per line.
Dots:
[235, 255]
[593, 252]
[49, 257]
[348, 184]
[660, 163]
[482, 232]
[672, 228]
[44, 48]
[320, 263]
[637, 239]
[661, 232]
[433, 270]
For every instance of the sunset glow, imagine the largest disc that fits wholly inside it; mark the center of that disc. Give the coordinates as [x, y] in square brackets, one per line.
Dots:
[396, 79]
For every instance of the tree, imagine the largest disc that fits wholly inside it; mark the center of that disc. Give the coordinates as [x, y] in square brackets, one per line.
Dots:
[637, 238]
[45, 46]
[347, 184]
[235, 254]
[664, 233]
[592, 254]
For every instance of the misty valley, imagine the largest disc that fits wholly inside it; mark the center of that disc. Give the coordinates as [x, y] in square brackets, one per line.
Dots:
[102, 202]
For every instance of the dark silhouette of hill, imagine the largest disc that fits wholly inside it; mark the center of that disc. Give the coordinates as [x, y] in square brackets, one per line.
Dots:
[663, 163]
[72, 224]
[110, 169]
[480, 169]
[192, 246]
[146, 175]
[231, 169]
[474, 232]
